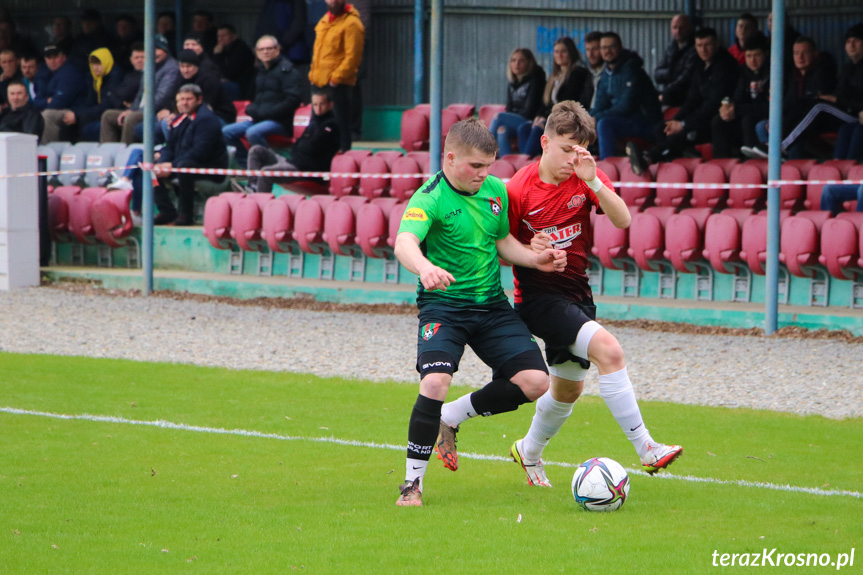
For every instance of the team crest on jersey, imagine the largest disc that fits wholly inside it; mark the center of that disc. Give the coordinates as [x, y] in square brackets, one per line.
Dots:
[495, 205]
[417, 214]
[576, 202]
[429, 329]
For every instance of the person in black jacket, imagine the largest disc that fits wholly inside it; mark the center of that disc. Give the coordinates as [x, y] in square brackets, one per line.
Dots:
[277, 96]
[714, 79]
[569, 80]
[674, 71]
[236, 61]
[20, 116]
[739, 115]
[193, 142]
[523, 97]
[191, 72]
[312, 152]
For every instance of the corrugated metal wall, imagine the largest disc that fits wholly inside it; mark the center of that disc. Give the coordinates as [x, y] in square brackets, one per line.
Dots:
[480, 34]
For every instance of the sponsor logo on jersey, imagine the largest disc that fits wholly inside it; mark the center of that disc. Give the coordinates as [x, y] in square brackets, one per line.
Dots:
[452, 214]
[416, 214]
[563, 237]
[495, 205]
[576, 202]
[429, 329]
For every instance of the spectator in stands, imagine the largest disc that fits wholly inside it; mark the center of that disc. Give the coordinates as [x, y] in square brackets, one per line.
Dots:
[747, 27]
[236, 62]
[126, 35]
[9, 70]
[524, 90]
[86, 116]
[166, 27]
[569, 80]
[738, 116]
[674, 71]
[194, 42]
[849, 142]
[93, 36]
[790, 38]
[336, 57]
[834, 195]
[66, 87]
[595, 63]
[61, 33]
[191, 72]
[30, 72]
[11, 39]
[277, 96]
[626, 104]
[287, 21]
[203, 25]
[312, 152]
[193, 142]
[20, 116]
[120, 124]
[128, 88]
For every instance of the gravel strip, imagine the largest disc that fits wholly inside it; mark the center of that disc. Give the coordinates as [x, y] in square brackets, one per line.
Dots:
[804, 376]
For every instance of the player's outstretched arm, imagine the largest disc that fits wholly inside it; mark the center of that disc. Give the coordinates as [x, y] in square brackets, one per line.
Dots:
[409, 254]
[611, 204]
[518, 254]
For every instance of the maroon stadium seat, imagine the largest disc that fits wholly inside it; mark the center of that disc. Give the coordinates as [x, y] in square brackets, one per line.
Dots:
[389, 156]
[791, 196]
[715, 198]
[813, 191]
[803, 165]
[394, 221]
[647, 237]
[689, 163]
[80, 218]
[753, 241]
[840, 245]
[855, 173]
[373, 226]
[277, 222]
[487, 112]
[414, 131]
[344, 185]
[403, 188]
[725, 163]
[799, 244]
[374, 187]
[462, 111]
[217, 219]
[760, 164]
[112, 219]
[246, 221]
[309, 223]
[672, 196]
[684, 238]
[59, 202]
[755, 198]
[844, 166]
[518, 161]
[340, 223]
[610, 170]
[424, 109]
[447, 119]
[635, 196]
[609, 243]
[722, 238]
[502, 169]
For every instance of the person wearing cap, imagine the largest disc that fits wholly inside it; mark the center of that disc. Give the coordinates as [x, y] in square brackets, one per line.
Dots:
[86, 117]
[122, 125]
[194, 43]
[192, 71]
[193, 142]
[65, 86]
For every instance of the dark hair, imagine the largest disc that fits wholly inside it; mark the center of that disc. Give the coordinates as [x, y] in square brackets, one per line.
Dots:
[757, 43]
[324, 91]
[806, 40]
[18, 82]
[594, 36]
[229, 27]
[702, 33]
[126, 18]
[91, 16]
[471, 134]
[749, 18]
[167, 14]
[614, 35]
[205, 13]
[138, 47]
[571, 119]
[855, 31]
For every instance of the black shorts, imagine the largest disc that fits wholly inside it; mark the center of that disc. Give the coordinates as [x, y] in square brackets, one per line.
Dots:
[557, 320]
[494, 332]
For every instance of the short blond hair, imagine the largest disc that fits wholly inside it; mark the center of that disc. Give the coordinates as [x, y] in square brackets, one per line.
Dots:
[471, 134]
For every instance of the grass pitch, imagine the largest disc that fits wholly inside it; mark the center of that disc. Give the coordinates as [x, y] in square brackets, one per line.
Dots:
[85, 496]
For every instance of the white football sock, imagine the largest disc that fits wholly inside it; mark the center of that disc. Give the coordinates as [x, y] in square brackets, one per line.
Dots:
[549, 418]
[416, 468]
[457, 411]
[616, 389]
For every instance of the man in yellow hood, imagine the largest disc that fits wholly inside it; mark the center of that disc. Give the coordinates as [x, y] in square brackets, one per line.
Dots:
[336, 57]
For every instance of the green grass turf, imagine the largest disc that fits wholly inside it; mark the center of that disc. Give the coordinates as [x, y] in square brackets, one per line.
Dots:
[93, 497]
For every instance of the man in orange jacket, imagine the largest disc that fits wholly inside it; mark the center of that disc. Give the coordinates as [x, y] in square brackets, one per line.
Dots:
[336, 57]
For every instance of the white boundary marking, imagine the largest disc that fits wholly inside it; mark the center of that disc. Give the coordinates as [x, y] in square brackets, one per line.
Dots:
[349, 442]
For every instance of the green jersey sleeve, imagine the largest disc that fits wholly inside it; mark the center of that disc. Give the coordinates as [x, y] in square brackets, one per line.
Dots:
[419, 216]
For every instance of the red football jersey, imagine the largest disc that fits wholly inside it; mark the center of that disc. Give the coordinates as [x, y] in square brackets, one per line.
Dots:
[561, 211]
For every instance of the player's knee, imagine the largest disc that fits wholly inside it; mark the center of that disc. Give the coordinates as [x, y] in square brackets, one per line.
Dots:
[435, 385]
[606, 353]
[533, 383]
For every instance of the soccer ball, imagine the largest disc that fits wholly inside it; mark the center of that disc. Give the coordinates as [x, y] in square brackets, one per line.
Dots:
[600, 484]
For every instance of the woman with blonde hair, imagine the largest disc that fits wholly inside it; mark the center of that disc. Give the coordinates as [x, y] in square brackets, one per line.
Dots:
[526, 80]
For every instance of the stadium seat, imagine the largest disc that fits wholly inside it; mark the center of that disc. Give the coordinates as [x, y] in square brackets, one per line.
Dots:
[52, 157]
[753, 241]
[609, 243]
[487, 112]
[59, 202]
[414, 131]
[389, 156]
[813, 191]
[672, 196]
[803, 165]
[72, 158]
[80, 217]
[340, 224]
[112, 218]
[502, 169]
[799, 242]
[246, 221]
[609, 169]
[715, 198]
[309, 223]
[725, 163]
[374, 187]
[447, 119]
[791, 195]
[754, 198]
[101, 157]
[844, 166]
[462, 111]
[403, 188]
[373, 226]
[277, 222]
[217, 219]
[856, 174]
[722, 239]
[635, 196]
[518, 161]
[424, 109]
[240, 106]
[395, 220]
[343, 185]
[684, 238]
[647, 237]
[840, 245]
[689, 163]
[760, 164]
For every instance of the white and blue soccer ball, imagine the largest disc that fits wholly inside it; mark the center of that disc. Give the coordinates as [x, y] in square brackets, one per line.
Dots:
[600, 484]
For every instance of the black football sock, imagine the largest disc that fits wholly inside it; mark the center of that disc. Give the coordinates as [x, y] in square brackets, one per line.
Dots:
[499, 396]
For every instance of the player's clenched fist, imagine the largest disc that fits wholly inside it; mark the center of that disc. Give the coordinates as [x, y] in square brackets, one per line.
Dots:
[435, 278]
[551, 260]
[540, 242]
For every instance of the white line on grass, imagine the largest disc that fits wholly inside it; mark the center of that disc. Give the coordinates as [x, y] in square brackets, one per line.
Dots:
[467, 455]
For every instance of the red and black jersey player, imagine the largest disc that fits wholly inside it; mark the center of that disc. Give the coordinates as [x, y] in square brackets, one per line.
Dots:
[549, 206]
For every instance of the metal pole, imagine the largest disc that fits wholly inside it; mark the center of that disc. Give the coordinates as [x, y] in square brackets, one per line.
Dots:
[777, 57]
[689, 9]
[436, 85]
[149, 115]
[178, 24]
[418, 52]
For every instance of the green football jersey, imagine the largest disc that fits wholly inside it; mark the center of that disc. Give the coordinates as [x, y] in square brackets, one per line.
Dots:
[457, 232]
